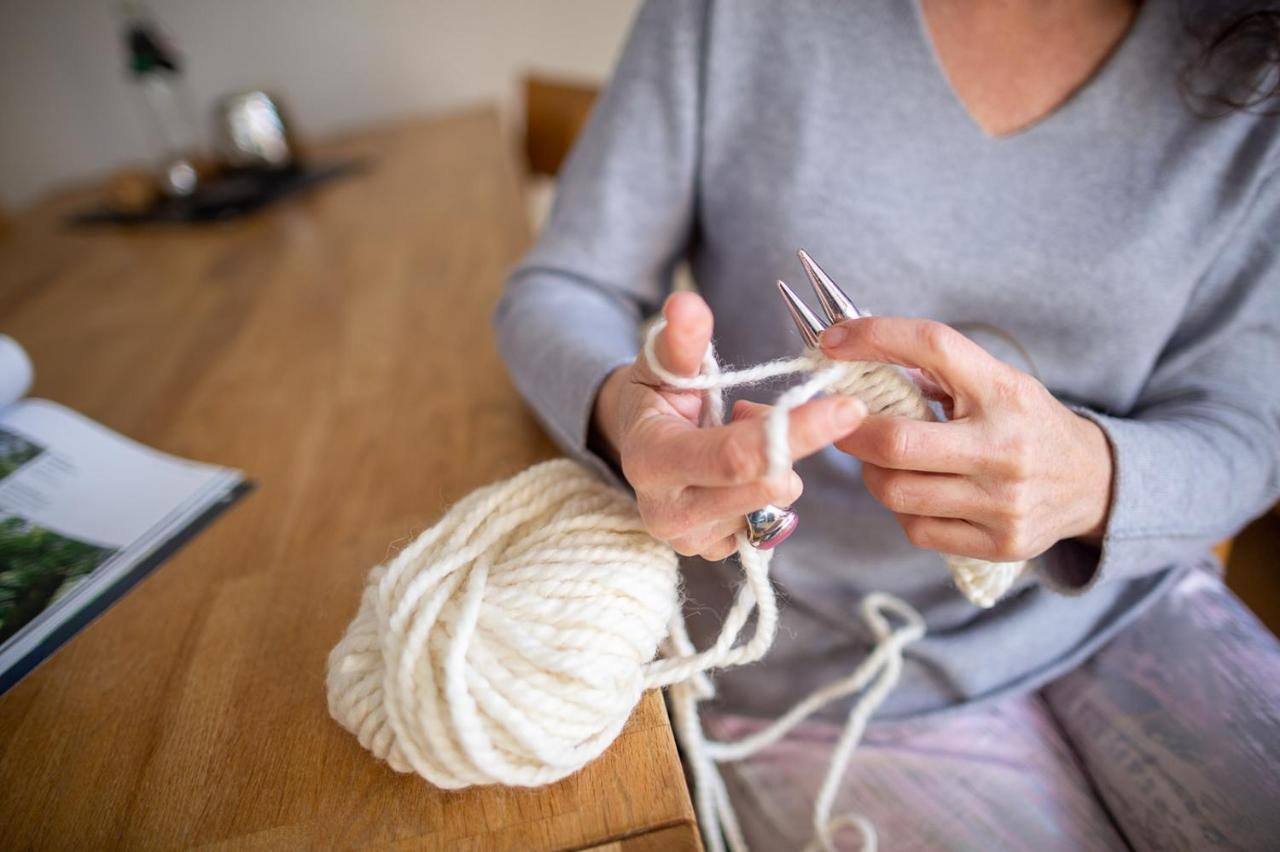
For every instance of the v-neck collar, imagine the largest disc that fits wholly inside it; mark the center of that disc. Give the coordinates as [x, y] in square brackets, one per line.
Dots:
[1111, 66]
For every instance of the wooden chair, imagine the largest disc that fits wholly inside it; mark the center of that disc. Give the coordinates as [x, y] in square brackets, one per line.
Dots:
[555, 111]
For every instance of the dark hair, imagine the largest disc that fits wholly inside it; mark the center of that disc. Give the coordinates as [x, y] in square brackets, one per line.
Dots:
[1238, 64]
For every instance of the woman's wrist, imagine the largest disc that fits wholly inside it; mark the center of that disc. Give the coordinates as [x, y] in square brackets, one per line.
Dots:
[602, 434]
[1096, 477]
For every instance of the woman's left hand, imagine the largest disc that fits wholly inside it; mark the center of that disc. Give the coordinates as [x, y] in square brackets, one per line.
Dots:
[1011, 473]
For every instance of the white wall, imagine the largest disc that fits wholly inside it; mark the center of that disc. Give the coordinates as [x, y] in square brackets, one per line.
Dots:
[68, 110]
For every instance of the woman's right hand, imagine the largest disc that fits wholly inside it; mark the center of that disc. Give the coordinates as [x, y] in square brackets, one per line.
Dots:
[693, 486]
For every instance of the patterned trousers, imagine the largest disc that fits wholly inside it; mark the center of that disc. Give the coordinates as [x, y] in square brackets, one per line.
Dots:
[1167, 739]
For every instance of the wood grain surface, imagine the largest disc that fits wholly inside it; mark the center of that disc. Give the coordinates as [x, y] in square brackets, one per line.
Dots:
[336, 348]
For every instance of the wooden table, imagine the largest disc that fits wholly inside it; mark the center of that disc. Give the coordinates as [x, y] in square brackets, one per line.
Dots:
[337, 348]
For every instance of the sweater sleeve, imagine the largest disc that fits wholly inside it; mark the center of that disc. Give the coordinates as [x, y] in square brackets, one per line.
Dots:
[621, 221]
[1199, 454]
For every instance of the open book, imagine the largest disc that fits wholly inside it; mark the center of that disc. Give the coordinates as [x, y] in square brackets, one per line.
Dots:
[85, 513]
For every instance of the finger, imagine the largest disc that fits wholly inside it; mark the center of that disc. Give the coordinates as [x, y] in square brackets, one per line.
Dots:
[712, 550]
[949, 536]
[683, 343]
[721, 550]
[721, 528]
[734, 501]
[904, 444]
[736, 454]
[953, 361]
[745, 409]
[935, 392]
[931, 389]
[939, 495]
[700, 541]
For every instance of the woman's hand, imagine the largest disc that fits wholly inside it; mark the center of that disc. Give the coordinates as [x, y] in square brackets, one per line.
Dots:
[1011, 473]
[693, 486]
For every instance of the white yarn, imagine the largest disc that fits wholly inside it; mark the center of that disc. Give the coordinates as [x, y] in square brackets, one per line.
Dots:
[510, 643]
[507, 644]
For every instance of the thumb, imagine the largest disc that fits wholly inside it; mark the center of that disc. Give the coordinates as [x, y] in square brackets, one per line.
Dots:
[681, 346]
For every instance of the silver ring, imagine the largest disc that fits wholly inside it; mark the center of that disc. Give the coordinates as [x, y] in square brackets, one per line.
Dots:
[769, 526]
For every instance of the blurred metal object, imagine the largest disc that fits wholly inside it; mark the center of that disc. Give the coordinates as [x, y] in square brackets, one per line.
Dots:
[179, 177]
[156, 68]
[252, 132]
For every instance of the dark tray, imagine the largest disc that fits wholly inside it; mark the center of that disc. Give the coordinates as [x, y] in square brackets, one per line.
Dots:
[229, 196]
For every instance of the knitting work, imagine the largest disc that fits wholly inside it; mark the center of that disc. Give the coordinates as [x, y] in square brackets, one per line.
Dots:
[510, 643]
[883, 388]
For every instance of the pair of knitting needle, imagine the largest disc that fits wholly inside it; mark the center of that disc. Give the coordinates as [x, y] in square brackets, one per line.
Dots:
[769, 526]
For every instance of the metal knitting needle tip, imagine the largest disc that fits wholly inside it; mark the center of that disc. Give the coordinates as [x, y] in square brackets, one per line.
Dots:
[836, 304]
[810, 326]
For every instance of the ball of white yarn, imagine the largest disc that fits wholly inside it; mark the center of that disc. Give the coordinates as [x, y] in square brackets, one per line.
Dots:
[507, 644]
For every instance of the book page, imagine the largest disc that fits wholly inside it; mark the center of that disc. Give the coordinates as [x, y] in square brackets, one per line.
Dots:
[63, 472]
[80, 507]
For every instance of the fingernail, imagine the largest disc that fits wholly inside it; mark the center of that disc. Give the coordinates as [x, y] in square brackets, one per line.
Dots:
[834, 336]
[849, 410]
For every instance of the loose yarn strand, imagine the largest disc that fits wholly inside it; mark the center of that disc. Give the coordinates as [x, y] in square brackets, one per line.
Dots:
[511, 642]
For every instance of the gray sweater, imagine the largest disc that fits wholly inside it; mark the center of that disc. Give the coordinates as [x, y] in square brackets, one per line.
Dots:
[1128, 244]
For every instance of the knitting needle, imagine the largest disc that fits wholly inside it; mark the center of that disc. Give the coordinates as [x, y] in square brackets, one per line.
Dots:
[835, 303]
[769, 526]
[809, 326]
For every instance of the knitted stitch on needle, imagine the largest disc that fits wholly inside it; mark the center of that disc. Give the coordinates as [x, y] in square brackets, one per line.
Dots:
[510, 642]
